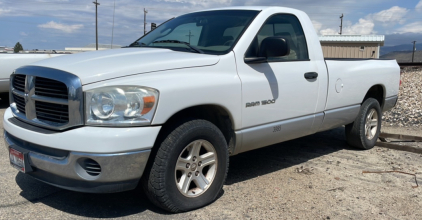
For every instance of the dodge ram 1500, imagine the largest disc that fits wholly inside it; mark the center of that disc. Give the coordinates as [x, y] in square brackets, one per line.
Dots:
[166, 112]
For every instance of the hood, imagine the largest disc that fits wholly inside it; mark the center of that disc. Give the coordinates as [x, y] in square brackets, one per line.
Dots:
[96, 66]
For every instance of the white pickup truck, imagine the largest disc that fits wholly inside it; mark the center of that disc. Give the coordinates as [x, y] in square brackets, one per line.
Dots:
[168, 111]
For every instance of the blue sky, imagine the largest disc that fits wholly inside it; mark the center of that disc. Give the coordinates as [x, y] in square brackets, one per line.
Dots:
[56, 24]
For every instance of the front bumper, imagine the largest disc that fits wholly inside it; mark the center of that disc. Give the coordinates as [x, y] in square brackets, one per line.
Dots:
[55, 161]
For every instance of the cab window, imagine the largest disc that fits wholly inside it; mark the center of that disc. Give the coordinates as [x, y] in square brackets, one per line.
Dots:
[285, 26]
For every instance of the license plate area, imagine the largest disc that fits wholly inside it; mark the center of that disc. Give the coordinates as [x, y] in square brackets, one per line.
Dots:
[17, 159]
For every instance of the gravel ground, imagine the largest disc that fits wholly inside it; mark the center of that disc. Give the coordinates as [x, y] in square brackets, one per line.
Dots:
[408, 111]
[316, 177]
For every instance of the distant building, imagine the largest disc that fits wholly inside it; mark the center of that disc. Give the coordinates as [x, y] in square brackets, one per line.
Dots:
[351, 46]
[92, 47]
[4, 49]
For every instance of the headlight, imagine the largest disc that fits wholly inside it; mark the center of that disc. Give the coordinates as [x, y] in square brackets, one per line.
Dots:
[120, 106]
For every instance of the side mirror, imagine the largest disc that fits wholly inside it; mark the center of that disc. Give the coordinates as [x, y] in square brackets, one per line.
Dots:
[270, 47]
[274, 47]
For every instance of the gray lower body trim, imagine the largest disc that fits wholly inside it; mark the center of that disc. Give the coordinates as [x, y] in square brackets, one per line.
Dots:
[390, 102]
[119, 171]
[338, 117]
[268, 134]
[4, 85]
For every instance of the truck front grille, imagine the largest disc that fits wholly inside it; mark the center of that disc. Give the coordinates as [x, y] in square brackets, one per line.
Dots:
[20, 103]
[50, 88]
[47, 97]
[52, 112]
[19, 82]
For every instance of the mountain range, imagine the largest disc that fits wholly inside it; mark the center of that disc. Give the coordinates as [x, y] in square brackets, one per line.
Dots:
[403, 47]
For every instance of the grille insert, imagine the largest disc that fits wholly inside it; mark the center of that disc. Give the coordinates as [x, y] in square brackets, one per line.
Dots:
[91, 167]
[50, 88]
[20, 103]
[52, 112]
[19, 82]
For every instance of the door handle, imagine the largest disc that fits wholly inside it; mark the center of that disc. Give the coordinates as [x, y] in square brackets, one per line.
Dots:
[311, 75]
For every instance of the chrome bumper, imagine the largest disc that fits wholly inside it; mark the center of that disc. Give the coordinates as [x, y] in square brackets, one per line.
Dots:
[66, 169]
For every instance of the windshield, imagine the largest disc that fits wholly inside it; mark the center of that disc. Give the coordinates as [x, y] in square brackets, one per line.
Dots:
[209, 32]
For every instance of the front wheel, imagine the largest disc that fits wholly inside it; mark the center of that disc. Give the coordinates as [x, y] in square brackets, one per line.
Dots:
[364, 131]
[189, 168]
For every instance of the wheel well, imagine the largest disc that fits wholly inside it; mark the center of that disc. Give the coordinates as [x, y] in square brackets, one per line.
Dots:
[376, 92]
[212, 113]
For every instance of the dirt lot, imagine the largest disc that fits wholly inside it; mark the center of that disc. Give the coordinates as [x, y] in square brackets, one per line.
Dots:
[316, 177]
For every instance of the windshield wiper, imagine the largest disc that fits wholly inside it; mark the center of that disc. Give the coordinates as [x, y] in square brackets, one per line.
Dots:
[180, 42]
[136, 44]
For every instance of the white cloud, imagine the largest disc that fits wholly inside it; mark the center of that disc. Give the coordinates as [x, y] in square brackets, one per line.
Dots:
[4, 11]
[23, 33]
[390, 16]
[62, 27]
[363, 27]
[200, 2]
[328, 31]
[419, 7]
[415, 27]
[317, 25]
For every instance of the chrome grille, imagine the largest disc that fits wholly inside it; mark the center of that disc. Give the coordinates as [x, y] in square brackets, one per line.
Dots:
[52, 112]
[47, 97]
[50, 88]
[20, 103]
[19, 82]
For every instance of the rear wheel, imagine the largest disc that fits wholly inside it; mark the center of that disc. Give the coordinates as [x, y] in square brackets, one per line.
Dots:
[189, 168]
[364, 131]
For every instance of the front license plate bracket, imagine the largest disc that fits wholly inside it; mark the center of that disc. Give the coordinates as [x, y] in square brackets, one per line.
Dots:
[19, 159]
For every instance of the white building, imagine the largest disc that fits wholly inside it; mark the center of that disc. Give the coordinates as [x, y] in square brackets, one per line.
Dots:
[92, 47]
[351, 46]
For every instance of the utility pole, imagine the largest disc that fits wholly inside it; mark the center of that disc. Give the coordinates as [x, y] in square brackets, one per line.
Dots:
[112, 28]
[414, 49]
[145, 21]
[190, 35]
[96, 23]
[341, 24]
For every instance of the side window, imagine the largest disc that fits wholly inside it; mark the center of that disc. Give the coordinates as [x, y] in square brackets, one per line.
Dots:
[285, 26]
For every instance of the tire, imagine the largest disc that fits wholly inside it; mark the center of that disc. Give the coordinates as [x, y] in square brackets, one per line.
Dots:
[177, 188]
[363, 133]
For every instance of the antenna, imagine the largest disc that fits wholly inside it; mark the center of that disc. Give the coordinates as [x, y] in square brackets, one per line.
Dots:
[341, 24]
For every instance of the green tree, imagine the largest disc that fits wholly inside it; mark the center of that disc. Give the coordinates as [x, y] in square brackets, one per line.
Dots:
[18, 47]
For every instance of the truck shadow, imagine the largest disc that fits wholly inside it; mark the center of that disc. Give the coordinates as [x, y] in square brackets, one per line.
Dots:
[280, 156]
[4, 100]
[242, 168]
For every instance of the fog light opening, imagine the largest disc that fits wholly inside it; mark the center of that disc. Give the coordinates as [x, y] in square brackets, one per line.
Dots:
[91, 167]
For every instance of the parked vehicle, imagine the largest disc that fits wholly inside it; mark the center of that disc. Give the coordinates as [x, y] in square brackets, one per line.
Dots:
[10, 62]
[168, 111]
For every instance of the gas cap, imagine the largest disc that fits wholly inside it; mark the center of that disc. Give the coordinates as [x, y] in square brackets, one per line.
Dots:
[339, 85]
